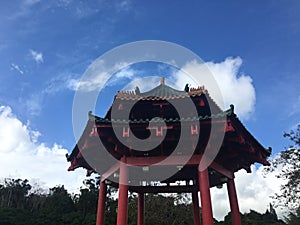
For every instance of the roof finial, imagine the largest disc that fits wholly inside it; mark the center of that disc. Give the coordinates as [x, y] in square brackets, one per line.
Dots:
[137, 90]
[162, 80]
[187, 88]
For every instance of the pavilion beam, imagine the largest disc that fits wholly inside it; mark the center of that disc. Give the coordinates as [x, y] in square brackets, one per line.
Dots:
[217, 167]
[141, 209]
[109, 172]
[196, 208]
[123, 194]
[176, 160]
[234, 206]
[164, 189]
[101, 203]
[207, 216]
[167, 160]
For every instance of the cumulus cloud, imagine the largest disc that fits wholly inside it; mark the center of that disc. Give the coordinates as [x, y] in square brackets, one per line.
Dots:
[36, 56]
[235, 87]
[254, 191]
[223, 80]
[23, 156]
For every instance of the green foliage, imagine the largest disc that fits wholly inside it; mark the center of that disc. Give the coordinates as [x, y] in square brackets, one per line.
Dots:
[161, 210]
[13, 192]
[294, 218]
[20, 207]
[289, 161]
[255, 218]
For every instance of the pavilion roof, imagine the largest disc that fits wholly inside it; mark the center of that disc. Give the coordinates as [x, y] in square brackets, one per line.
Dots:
[161, 92]
[221, 114]
[234, 128]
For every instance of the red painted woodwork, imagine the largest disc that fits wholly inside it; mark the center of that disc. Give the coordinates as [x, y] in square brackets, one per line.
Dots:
[108, 173]
[194, 129]
[126, 131]
[141, 209]
[234, 206]
[101, 203]
[207, 216]
[123, 194]
[176, 160]
[164, 189]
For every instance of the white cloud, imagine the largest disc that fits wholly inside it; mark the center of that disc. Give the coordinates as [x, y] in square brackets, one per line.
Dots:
[23, 156]
[17, 68]
[97, 76]
[34, 104]
[144, 84]
[31, 2]
[295, 108]
[37, 56]
[235, 87]
[254, 191]
[123, 6]
[23, 9]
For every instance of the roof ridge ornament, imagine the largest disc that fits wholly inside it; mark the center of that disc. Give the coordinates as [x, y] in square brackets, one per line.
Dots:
[199, 89]
[162, 81]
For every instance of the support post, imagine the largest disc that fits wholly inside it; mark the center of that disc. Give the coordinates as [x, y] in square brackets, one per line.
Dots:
[123, 194]
[207, 216]
[196, 209]
[101, 203]
[141, 209]
[234, 206]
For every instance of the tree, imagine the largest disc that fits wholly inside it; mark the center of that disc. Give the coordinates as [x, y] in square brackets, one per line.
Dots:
[13, 193]
[86, 202]
[57, 208]
[289, 161]
[294, 218]
[161, 210]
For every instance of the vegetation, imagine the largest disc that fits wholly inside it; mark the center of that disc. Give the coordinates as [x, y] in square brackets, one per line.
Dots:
[19, 205]
[289, 163]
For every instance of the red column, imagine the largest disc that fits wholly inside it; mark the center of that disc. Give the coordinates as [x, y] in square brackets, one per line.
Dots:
[101, 203]
[123, 194]
[207, 217]
[141, 209]
[234, 206]
[196, 209]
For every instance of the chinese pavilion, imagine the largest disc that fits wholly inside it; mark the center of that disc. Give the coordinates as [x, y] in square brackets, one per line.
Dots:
[238, 150]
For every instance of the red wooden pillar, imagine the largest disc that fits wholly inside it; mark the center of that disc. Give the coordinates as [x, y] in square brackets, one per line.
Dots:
[196, 209]
[141, 209]
[123, 194]
[101, 203]
[207, 216]
[234, 206]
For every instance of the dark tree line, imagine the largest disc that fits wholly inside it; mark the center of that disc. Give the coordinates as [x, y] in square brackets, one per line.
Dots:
[20, 206]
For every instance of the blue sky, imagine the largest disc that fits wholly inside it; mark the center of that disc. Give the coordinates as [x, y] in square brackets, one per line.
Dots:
[46, 44]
